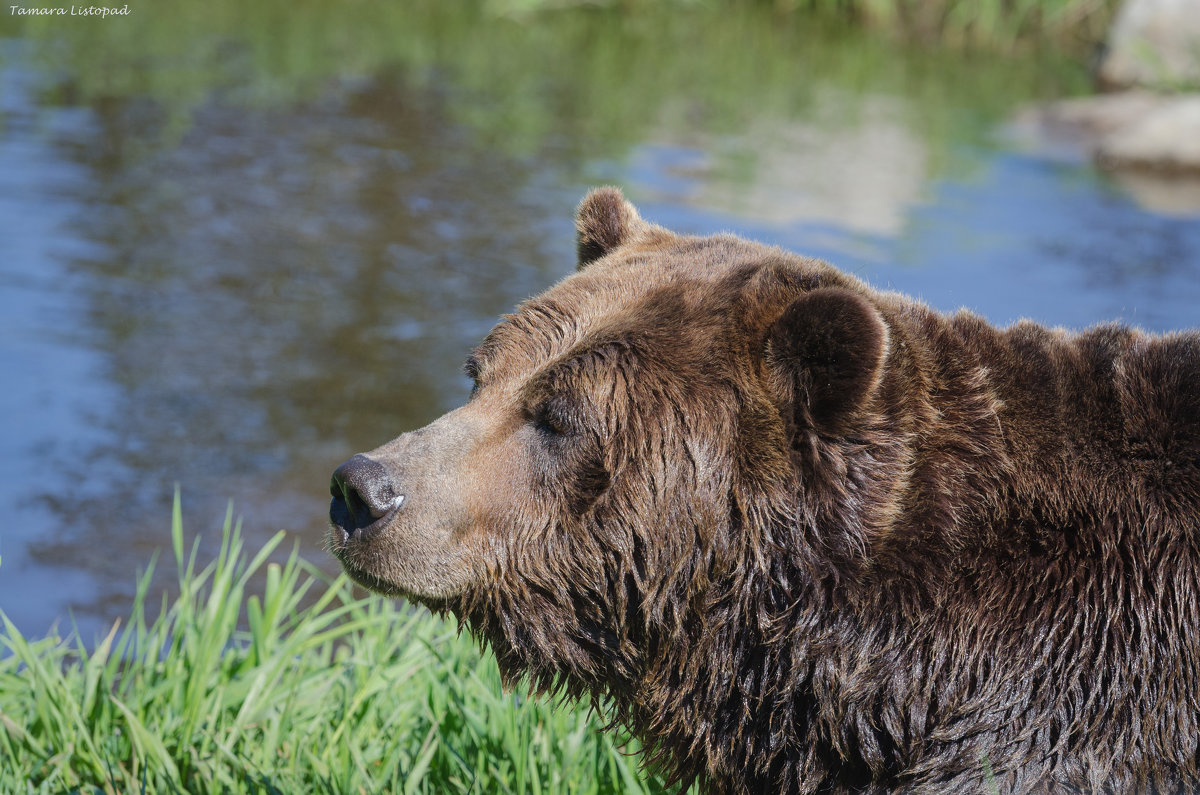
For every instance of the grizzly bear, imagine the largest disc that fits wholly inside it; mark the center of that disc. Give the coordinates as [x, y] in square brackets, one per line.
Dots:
[807, 536]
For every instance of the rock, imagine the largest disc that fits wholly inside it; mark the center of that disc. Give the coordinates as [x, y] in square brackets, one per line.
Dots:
[1150, 142]
[1153, 43]
[1131, 129]
[1167, 138]
[1162, 193]
[1093, 117]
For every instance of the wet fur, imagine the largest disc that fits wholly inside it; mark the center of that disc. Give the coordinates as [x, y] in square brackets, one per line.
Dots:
[812, 537]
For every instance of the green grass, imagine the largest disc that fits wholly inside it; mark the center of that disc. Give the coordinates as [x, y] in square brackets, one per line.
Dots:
[266, 677]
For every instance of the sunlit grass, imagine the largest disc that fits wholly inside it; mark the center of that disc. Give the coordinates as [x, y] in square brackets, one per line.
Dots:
[265, 677]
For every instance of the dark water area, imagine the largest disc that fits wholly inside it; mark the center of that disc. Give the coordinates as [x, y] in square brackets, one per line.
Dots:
[236, 249]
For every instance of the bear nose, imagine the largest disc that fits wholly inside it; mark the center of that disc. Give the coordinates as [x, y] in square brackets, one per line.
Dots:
[362, 493]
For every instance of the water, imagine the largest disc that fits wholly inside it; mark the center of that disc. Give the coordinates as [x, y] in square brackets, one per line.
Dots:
[232, 270]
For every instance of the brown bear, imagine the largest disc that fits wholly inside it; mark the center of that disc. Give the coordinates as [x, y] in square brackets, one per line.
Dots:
[807, 536]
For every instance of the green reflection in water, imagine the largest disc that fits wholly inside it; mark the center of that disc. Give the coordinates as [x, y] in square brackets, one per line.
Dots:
[586, 78]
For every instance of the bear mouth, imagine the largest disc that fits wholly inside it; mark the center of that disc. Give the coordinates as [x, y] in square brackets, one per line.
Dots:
[347, 532]
[353, 522]
[377, 584]
[367, 580]
[341, 544]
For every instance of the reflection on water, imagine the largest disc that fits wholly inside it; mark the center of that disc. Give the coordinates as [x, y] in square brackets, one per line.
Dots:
[858, 171]
[260, 301]
[238, 302]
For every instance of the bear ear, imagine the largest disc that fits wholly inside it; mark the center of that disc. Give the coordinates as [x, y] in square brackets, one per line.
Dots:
[604, 221]
[827, 351]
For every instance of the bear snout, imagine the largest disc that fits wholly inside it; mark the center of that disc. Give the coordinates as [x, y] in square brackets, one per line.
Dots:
[363, 493]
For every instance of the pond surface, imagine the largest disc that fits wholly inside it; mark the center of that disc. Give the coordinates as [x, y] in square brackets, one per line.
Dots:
[236, 248]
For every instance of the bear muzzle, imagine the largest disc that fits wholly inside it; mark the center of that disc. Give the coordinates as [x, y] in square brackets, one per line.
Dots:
[364, 497]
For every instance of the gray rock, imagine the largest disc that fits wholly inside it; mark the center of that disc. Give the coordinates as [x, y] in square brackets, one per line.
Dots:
[1153, 43]
[1131, 129]
[1167, 138]
[1150, 142]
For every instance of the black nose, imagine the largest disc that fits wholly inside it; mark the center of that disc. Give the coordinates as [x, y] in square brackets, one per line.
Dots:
[362, 493]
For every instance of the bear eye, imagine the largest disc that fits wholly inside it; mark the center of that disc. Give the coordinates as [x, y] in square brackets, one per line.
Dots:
[551, 419]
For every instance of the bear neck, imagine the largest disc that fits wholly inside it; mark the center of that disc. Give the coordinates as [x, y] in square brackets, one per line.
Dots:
[821, 660]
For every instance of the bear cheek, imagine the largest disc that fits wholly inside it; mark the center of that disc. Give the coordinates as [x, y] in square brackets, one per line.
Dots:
[499, 483]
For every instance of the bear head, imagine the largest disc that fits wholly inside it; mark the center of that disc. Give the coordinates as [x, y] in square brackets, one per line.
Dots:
[639, 438]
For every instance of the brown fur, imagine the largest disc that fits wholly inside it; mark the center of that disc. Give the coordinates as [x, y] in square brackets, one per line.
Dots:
[808, 536]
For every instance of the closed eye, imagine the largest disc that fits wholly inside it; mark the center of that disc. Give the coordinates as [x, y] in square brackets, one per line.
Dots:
[548, 423]
[555, 418]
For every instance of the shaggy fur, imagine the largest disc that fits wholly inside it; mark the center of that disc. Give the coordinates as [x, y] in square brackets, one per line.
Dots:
[811, 537]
